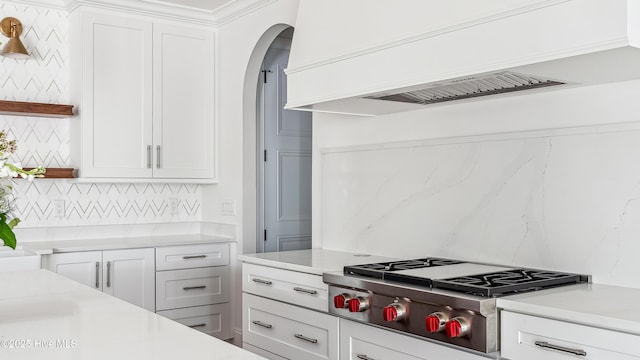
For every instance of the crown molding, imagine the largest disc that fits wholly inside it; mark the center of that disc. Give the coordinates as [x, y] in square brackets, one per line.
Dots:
[169, 11]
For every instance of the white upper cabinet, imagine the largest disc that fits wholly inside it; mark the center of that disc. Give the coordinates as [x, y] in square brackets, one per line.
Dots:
[146, 99]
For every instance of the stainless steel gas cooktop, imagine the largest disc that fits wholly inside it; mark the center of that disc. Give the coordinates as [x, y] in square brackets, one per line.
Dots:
[441, 299]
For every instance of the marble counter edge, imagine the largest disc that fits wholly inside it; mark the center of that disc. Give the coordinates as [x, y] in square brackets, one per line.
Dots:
[587, 318]
[76, 245]
[316, 261]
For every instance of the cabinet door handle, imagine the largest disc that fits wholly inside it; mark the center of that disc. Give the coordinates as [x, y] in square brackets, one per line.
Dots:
[97, 274]
[190, 257]
[193, 287]
[149, 161]
[260, 323]
[364, 357]
[108, 273]
[302, 337]
[260, 281]
[546, 345]
[197, 325]
[306, 291]
[158, 156]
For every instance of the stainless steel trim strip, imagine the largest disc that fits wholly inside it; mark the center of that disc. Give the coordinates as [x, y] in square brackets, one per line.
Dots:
[302, 337]
[546, 345]
[306, 291]
[264, 325]
[260, 281]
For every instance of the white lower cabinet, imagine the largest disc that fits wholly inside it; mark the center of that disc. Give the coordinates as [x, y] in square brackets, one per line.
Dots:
[126, 274]
[289, 331]
[192, 287]
[365, 342]
[526, 337]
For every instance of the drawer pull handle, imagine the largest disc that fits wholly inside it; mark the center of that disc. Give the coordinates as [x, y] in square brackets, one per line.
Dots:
[260, 281]
[259, 323]
[546, 345]
[194, 287]
[191, 257]
[302, 337]
[364, 357]
[306, 291]
[197, 325]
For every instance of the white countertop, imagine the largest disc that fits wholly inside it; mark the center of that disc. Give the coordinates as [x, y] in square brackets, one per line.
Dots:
[313, 261]
[604, 306]
[46, 316]
[50, 247]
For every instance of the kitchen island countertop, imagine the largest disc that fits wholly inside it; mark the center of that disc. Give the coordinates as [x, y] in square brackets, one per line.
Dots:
[58, 246]
[312, 261]
[46, 316]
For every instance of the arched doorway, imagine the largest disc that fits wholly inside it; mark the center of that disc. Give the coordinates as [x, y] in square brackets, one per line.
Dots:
[276, 192]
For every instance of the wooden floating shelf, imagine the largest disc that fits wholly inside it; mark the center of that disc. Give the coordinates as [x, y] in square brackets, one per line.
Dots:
[57, 173]
[35, 109]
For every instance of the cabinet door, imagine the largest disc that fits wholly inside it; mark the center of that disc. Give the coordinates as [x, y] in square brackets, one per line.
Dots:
[116, 97]
[83, 267]
[358, 341]
[130, 275]
[183, 120]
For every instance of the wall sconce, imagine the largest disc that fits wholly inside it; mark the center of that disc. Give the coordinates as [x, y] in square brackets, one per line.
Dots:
[12, 28]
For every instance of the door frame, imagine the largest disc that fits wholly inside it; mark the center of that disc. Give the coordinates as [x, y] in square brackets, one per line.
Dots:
[250, 140]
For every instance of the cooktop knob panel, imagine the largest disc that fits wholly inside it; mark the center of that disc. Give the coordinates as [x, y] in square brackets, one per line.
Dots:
[341, 301]
[436, 322]
[358, 304]
[394, 312]
[457, 327]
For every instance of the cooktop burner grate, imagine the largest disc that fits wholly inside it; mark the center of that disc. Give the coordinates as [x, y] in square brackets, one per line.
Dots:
[385, 269]
[506, 282]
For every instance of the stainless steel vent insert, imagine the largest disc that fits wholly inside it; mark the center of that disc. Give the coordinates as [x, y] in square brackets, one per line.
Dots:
[469, 87]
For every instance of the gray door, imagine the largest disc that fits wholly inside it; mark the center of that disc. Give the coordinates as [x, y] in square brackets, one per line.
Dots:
[287, 165]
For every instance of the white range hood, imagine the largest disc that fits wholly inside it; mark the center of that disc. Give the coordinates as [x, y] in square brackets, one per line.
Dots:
[373, 57]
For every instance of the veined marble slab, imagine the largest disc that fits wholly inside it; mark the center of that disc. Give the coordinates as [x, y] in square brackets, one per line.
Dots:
[566, 200]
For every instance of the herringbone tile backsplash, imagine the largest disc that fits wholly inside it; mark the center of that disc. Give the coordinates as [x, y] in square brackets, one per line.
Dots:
[44, 77]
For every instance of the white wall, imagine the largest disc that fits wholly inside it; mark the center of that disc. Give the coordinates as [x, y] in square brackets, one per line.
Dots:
[241, 45]
[488, 180]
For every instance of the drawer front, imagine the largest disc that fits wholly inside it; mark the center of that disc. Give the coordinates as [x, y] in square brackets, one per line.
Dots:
[211, 319]
[526, 337]
[192, 287]
[191, 256]
[294, 287]
[289, 331]
[362, 342]
[261, 352]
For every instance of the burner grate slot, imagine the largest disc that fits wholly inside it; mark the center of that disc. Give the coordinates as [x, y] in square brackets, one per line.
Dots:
[506, 282]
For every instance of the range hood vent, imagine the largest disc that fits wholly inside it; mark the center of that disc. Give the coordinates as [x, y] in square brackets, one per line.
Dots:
[469, 87]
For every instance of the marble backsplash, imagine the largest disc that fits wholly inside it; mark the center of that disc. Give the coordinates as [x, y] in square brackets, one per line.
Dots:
[564, 199]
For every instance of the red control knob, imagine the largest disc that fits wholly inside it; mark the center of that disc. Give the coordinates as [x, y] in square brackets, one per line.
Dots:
[435, 322]
[341, 301]
[394, 312]
[457, 327]
[358, 304]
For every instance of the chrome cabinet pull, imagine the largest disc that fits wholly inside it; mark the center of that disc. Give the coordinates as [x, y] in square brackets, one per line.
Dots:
[364, 357]
[546, 345]
[302, 337]
[197, 325]
[158, 156]
[149, 161]
[191, 257]
[108, 273]
[260, 281]
[259, 323]
[97, 274]
[193, 287]
[306, 291]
